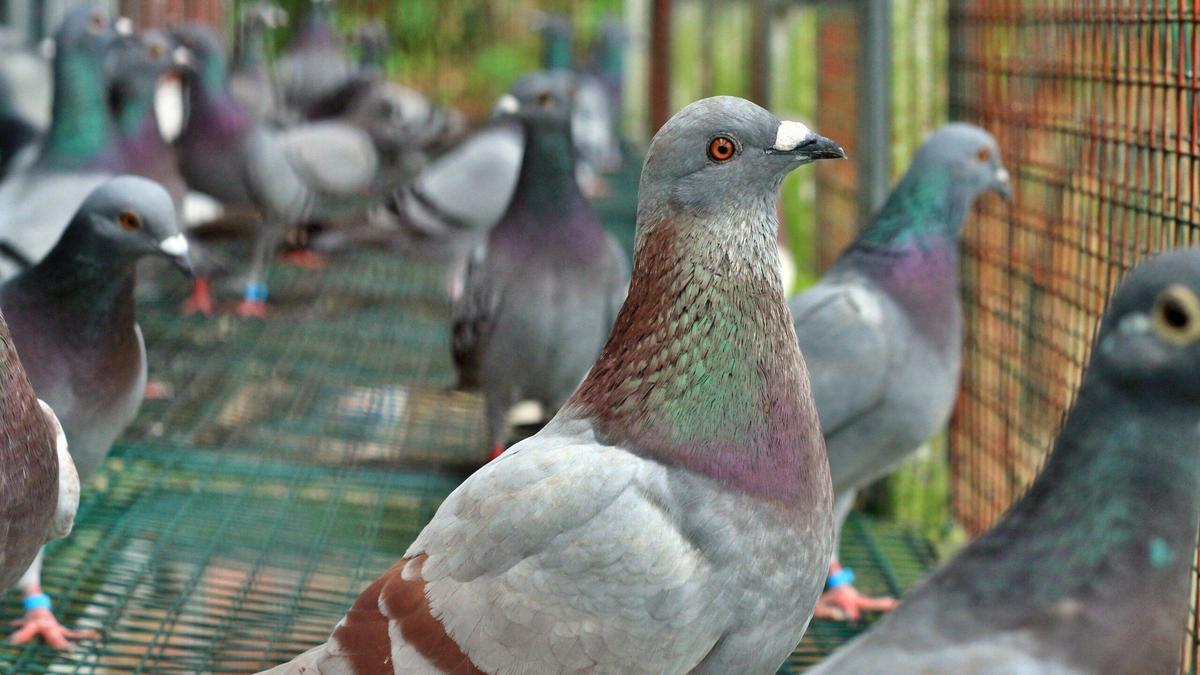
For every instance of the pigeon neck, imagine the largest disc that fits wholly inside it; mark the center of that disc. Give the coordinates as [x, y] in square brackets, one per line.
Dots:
[546, 182]
[317, 33]
[84, 279]
[556, 53]
[927, 203]
[137, 121]
[1110, 521]
[252, 52]
[703, 369]
[81, 133]
[214, 112]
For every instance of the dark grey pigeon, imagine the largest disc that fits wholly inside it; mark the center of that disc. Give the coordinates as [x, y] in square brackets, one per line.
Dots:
[72, 320]
[540, 295]
[250, 73]
[1090, 571]
[882, 330]
[39, 487]
[675, 516]
[315, 64]
[77, 153]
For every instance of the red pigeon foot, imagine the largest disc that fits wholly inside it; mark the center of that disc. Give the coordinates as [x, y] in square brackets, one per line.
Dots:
[42, 622]
[846, 603]
[252, 309]
[304, 259]
[157, 390]
[200, 301]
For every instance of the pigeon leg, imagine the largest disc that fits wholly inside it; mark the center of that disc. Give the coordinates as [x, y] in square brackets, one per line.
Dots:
[200, 301]
[254, 302]
[39, 620]
[841, 601]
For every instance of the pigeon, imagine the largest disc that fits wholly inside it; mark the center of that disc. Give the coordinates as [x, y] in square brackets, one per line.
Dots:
[882, 330]
[374, 45]
[249, 75]
[608, 60]
[72, 321]
[140, 66]
[39, 486]
[225, 153]
[79, 150]
[17, 134]
[676, 514]
[315, 64]
[541, 293]
[1090, 571]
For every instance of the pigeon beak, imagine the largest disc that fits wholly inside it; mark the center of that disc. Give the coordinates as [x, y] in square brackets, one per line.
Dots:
[175, 247]
[1003, 184]
[183, 59]
[507, 105]
[797, 141]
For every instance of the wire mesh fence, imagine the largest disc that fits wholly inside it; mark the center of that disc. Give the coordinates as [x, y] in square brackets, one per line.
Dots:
[1095, 108]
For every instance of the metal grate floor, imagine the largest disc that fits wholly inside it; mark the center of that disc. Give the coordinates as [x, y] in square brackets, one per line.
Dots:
[295, 460]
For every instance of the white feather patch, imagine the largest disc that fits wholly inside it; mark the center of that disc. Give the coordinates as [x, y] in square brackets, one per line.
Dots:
[1002, 175]
[175, 245]
[507, 104]
[789, 135]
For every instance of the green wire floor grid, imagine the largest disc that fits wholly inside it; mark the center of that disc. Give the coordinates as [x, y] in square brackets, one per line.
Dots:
[292, 461]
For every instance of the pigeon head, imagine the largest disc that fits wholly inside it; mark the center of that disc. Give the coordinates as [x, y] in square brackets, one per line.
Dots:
[541, 97]
[969, 155]
[722, 151]
[129, 218]
[89, 32]
[1149, 341]
[203, 56]
[139, 65]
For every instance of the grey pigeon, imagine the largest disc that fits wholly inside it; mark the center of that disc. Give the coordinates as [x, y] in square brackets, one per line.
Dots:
[79, 150]
[17, 134]
[224, 152]
[72, 321]
[250, 73]
[315, 64]
[675, 516]
[882, 330]
[140, 64]
[1090, 571]
[39, 487]
[541, 293]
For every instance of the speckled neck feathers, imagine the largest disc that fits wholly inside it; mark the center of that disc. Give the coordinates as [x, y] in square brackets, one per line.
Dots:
[702, 369]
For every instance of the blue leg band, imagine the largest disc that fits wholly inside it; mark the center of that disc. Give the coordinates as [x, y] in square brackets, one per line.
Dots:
[842, 577]
[36, 601]
[256, 292]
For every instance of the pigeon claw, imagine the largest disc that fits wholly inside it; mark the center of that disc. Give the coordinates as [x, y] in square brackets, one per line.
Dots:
[42, 622]
[845, 603]
[304, 259]
[252, 309]
[200, 301]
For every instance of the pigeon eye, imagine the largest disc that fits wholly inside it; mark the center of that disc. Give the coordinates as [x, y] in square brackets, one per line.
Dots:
[983, 154]
[1177, 315]
[155, 50]
[545, 100]
[97, 22]
[128, 220]
[721, 149]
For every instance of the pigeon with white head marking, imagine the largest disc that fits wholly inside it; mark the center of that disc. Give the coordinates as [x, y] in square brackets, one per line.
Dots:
[72, 321]
[675, 516]
[882, 330]
[1090, 571]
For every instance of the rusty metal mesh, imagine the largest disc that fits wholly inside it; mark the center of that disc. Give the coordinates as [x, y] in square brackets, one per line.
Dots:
[1095, 108]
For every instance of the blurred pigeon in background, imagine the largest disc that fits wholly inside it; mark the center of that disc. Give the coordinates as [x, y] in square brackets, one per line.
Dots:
[315, 64]
[1090, 571]
[72, 321]
[17, 133]
[250, 79]
[540, 295]
[78, 152]
[225, 153]
[667, 520]
[882, 330]
[29, 72]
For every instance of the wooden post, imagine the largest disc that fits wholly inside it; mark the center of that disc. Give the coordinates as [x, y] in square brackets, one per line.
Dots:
[660, 63]
[760, 54]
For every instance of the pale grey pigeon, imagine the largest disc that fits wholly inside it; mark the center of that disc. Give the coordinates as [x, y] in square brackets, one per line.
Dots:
[72, 321]
[882, 330]
[1091, 571]
[541, 293]
[675, 516]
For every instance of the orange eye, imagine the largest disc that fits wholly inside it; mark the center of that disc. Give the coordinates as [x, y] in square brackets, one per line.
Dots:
[129, 220]
[156, 50]
[983, 154]
[721, 149]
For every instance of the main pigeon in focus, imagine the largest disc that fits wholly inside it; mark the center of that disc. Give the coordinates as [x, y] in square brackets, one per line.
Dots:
[676, 515]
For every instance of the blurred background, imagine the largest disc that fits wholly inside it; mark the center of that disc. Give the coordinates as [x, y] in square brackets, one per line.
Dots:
[1095, 108]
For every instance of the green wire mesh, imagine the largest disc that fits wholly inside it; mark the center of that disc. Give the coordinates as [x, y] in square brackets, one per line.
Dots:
[293, 461]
